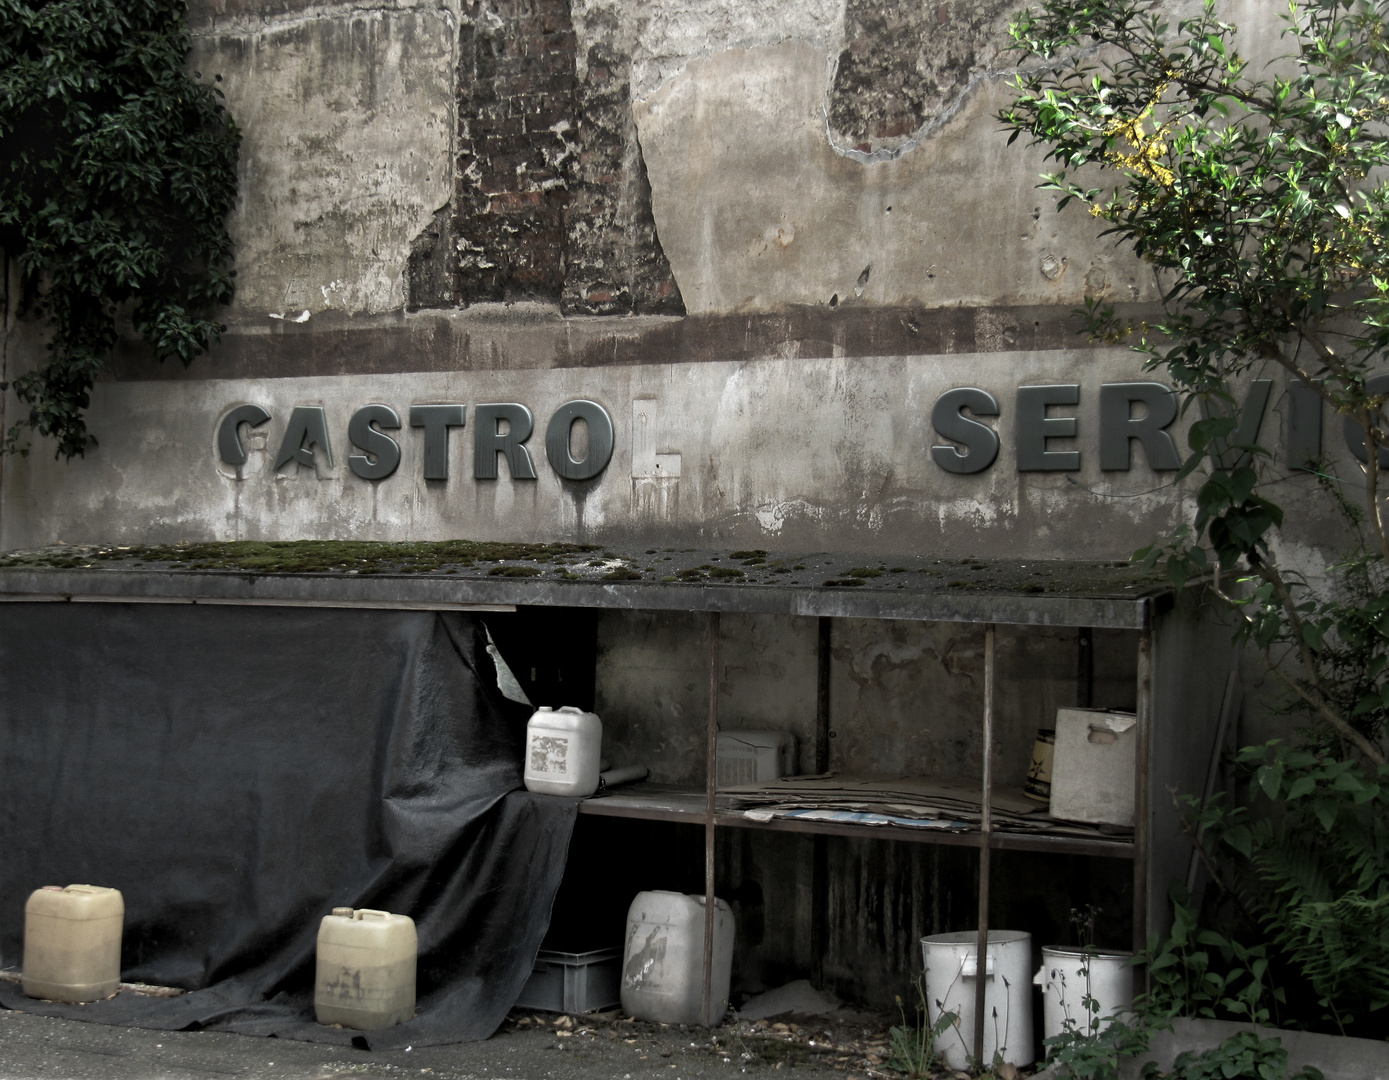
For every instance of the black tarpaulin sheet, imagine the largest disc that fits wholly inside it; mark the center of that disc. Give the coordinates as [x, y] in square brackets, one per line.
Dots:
[238, 772]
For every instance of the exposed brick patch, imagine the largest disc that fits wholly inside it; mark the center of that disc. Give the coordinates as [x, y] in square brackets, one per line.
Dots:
[616, 265]
[431, 275]
[906, 64]
[552, 199]
[517, 119]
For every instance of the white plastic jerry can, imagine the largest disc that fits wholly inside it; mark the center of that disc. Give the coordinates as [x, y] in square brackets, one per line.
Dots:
[563, 751]
[72, 942]
[663, 963]
[366, 969]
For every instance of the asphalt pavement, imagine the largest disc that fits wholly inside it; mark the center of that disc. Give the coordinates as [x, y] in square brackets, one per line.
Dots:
[528, 1047]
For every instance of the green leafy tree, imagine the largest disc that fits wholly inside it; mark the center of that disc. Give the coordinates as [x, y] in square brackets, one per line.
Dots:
[117, 172]
[1259, 199]
[1258, 195]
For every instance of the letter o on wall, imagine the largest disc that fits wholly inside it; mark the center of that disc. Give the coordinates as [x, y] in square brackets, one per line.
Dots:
[600, 439]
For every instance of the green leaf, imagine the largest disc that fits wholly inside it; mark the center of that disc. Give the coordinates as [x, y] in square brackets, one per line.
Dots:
[1303, 785]
[1240, 839]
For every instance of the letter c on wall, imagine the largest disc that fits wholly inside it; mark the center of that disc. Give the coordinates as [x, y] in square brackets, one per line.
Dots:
[950, 422]
[229, 446]
[600, 439]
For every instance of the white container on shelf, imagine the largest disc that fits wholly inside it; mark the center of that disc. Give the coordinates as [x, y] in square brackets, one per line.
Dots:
[951, 974]
[563, 751]
[366, 969]
[663, 961]
[1069, 976]
[1092, 770]
[752, 757]
[72, 943]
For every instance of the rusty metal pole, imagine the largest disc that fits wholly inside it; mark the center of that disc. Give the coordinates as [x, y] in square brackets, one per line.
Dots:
[1142, 808]
[819, 852]
[981, 952]
[711, 751]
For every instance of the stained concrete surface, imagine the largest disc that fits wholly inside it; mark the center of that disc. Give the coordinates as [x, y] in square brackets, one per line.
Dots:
[38, 1048]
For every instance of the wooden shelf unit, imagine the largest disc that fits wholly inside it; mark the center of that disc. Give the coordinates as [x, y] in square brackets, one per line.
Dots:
[1184, 657]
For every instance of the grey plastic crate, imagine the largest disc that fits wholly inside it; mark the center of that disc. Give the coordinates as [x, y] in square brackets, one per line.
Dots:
[573, 982]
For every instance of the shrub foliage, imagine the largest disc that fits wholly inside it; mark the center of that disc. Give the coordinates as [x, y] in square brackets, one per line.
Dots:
[1257, 193]
[117, 172]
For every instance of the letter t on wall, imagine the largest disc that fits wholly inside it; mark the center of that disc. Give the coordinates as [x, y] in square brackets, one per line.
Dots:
[436, 421]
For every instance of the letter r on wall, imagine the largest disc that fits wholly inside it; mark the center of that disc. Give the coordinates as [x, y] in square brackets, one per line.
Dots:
[1118, 426]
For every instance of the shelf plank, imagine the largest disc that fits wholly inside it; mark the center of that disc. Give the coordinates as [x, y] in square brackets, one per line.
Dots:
[681, 806]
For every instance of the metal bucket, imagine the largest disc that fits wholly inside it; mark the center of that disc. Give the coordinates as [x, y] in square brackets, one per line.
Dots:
[1069, 976]
[951, 971]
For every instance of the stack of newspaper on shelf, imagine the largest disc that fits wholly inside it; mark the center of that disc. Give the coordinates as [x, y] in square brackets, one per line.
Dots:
[949, 804]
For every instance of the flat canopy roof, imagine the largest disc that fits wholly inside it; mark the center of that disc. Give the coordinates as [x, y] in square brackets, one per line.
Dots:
[461, 575]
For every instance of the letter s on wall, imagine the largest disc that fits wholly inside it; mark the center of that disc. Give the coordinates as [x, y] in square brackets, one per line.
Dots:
[950, 422]
[229, 446]
[376, 443]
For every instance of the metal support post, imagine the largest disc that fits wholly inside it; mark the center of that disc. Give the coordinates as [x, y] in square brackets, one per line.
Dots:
[711, 752]
[981, 955]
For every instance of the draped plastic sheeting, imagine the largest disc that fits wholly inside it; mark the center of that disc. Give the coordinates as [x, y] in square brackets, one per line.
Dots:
[238, 772]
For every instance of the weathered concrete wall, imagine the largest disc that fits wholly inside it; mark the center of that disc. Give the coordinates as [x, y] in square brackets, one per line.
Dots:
[826, 454]
[615, 157]
[780, 215]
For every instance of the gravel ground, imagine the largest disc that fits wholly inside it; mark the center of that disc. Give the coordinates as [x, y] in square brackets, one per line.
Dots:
[528, 1047]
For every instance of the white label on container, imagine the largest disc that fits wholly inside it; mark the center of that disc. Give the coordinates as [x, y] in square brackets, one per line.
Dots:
[549, 754]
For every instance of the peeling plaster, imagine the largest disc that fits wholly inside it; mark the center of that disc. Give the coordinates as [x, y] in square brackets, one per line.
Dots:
[345, 150]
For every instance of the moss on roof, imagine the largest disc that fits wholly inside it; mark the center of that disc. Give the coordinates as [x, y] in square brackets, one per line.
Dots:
[592, 562]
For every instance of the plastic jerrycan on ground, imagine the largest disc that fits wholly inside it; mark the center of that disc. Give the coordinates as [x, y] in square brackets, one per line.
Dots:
[72, 943]
[663, 962]
[366, 969]
[563, 751]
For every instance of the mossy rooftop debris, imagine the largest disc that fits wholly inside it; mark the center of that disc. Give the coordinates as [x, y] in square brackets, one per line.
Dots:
[598, 564]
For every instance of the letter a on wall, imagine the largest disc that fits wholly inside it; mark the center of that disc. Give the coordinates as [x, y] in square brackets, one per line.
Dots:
[308, 427]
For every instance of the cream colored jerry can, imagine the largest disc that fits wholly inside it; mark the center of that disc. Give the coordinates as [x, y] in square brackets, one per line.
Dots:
[366, 969]
[72, 942]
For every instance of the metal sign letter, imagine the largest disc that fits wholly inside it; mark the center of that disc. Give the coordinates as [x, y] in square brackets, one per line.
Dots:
[600, 439]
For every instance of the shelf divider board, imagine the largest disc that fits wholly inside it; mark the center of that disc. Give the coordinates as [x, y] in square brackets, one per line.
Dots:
[981, 952]
[711, 770]
[688, 807]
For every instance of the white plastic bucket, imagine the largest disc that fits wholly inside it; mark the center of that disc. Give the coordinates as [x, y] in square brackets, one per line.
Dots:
[950, 981]
[1069, 976]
